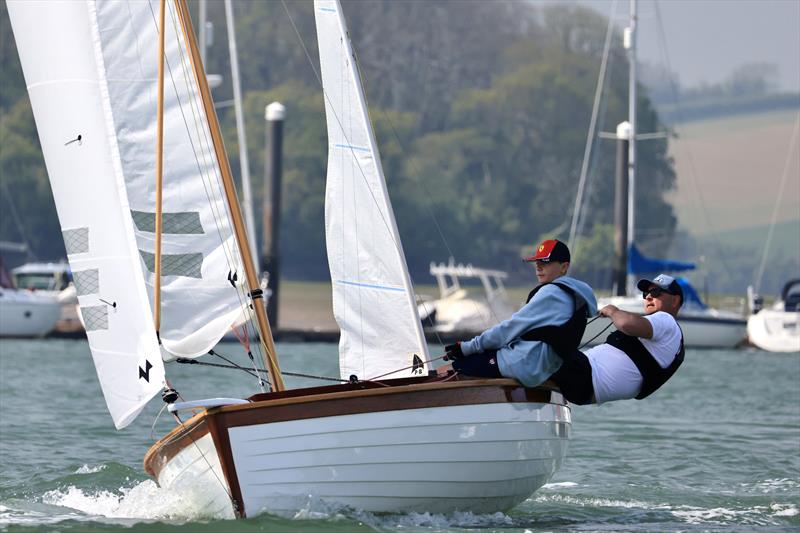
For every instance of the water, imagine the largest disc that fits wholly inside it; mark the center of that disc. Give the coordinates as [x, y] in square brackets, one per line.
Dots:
[717, 449]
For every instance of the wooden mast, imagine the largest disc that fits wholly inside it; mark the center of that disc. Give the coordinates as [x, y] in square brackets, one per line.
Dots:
[270, 358]
[159, 169]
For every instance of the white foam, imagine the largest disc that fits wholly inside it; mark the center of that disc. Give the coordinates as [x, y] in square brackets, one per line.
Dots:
[698, 515]
[316, 509]
[594, 502]
[86, 469]
[436, 521]
[142, 501]
[774, 485]
[562, 485]
[779, 509]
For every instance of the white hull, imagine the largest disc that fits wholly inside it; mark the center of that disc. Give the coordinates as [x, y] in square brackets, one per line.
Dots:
[774, 330]
[701, 328]
[478, 457]
[27, 314]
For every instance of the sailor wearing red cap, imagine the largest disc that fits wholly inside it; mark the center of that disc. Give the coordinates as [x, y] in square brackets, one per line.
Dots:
[530, 345]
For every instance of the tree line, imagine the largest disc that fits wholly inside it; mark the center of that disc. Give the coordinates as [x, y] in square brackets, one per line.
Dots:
[481, 111]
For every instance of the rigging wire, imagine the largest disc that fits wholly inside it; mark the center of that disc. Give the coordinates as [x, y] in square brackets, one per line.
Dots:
[591, 136]
[791, 152]
[689, 157]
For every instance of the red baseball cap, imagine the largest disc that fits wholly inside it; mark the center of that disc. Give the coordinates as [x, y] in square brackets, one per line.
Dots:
[551, 250]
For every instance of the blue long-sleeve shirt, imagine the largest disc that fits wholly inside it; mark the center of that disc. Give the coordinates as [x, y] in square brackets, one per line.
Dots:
[532, 362]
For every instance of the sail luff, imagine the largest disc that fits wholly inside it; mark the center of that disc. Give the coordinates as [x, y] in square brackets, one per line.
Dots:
[265, 333]
[374, 302]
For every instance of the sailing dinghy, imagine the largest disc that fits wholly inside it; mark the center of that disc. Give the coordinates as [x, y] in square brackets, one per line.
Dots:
[163, 271]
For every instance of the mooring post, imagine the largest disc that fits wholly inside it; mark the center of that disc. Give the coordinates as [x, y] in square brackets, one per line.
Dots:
[620, 272]
[274, 114]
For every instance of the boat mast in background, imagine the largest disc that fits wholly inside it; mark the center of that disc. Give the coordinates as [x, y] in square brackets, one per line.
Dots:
[629, 42]
[244, 163]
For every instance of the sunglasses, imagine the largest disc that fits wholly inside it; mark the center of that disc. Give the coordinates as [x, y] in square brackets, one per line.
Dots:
[655, 292]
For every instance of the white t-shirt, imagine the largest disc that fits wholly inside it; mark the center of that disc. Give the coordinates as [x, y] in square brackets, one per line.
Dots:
[615, 376]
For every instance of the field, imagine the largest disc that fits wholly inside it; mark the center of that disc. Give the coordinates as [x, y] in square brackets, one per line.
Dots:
[729, 171]
[306, 305]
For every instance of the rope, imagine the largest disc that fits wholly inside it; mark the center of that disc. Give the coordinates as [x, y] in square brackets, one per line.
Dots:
[601, 332]
[234, 366]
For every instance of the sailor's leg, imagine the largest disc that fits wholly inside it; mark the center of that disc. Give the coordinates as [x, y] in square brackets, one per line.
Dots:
[482, 364]
[574, 378]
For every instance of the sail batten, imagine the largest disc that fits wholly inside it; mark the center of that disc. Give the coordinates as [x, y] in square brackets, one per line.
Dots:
[373, 299]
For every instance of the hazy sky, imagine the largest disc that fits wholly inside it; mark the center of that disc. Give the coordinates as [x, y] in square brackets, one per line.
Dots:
[707, 39]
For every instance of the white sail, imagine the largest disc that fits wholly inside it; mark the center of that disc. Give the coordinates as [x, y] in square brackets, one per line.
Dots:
[373, 300]
[198, 303]
[91, 72]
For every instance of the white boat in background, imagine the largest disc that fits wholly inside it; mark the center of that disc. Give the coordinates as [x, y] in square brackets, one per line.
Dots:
[25, 313]
[415, 442]
[460, 310]
[777, 328]
[53, 279]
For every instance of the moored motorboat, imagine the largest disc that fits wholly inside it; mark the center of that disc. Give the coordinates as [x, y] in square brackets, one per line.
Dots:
[458, 310]
[777, 328]
[54, 279]
[23, 312]
[27, 314]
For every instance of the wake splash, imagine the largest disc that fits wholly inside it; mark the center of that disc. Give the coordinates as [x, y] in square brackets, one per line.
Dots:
[144, 501]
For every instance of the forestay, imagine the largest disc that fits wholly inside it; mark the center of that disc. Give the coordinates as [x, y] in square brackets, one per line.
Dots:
[373, 300]
[91, 72]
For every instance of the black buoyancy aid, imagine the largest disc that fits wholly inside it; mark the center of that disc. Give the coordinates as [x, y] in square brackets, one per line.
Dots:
[653, 376]
[566, 337]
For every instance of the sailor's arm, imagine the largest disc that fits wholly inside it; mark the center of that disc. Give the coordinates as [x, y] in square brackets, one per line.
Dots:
[550, 306]
[628, 323]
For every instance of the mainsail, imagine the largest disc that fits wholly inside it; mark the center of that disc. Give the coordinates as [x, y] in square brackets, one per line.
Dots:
[373, 299]
[91, 71]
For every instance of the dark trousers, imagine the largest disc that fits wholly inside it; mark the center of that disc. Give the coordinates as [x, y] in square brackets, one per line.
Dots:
[482, 364]
[574, 377]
